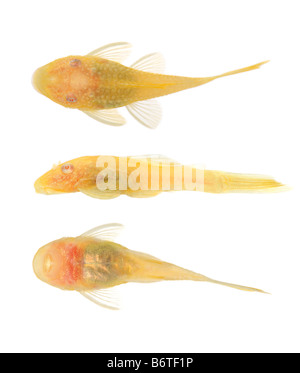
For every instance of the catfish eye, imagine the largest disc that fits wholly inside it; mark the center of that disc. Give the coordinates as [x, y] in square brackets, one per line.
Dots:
[67, 168]
[71, 98]
[75, 62]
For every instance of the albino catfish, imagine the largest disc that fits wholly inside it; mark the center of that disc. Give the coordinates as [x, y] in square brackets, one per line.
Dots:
[98, 84]
[93, 263]
[108, 177]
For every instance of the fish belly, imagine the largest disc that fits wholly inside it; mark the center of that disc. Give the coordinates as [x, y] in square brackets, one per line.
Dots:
[106, 264]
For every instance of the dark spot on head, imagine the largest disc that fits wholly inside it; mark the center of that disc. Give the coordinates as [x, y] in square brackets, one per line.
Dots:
[71, 98]
[75, 62]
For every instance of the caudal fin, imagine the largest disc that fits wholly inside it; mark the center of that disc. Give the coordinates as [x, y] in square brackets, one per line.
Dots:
[248, 68]
[172, 272]
[199, 81]
[151, 269]
[239, 287]
[234, 183]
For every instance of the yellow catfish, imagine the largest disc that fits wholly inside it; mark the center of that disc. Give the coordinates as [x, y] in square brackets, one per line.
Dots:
[108, 177]
[98, 83]
[93, 263]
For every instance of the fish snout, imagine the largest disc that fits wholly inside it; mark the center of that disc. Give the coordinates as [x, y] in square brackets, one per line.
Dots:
[37, 266]
[44, 185]
[39, 188]
[42, 263]
[39, 80]
[35, 80]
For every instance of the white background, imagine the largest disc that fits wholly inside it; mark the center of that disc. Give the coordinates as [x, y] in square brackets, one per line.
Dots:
[244, 123]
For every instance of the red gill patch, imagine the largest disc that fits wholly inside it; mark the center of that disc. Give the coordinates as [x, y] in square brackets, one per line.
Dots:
[73, 268]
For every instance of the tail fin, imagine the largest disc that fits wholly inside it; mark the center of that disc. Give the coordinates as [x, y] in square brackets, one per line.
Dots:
[150, 269]
[199, 81]
[249, 68]
[172, 272]
[234, 183]
[239, 287]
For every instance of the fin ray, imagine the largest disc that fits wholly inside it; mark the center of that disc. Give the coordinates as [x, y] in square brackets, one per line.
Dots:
[103, 297]
[147, 112]
[250, 183]
[106, 232]
[117, 52]
[151, 63]
[106, 116]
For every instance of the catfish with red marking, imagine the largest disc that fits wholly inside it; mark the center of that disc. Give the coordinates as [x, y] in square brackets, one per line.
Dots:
[93, 263]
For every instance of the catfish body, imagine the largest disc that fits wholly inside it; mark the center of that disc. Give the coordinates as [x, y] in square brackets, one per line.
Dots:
[98, 84]
[106, 177]
[93, 263]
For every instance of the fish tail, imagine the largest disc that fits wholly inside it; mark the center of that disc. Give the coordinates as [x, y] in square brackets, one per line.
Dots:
[226, 182]
[200, 81]
[248, 68]
[151, 269]
[178, 273]
[166, 271]
[234, 286]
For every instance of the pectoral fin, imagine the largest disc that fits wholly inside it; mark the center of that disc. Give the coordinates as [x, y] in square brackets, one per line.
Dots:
[106, 232]
[117, 52]
[96, 193]
[103, 297]
[106, 116]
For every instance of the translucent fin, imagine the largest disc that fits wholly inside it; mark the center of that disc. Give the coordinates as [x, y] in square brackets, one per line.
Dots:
[107, 116]
[152, 63]
[176, 273]
[200, 81]
[96, 193]
[238, 71]
[106, 232]
[234, 183]
[234, 286]
[103, 297]
[117, 52]
[142, 193]
[147, 112]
